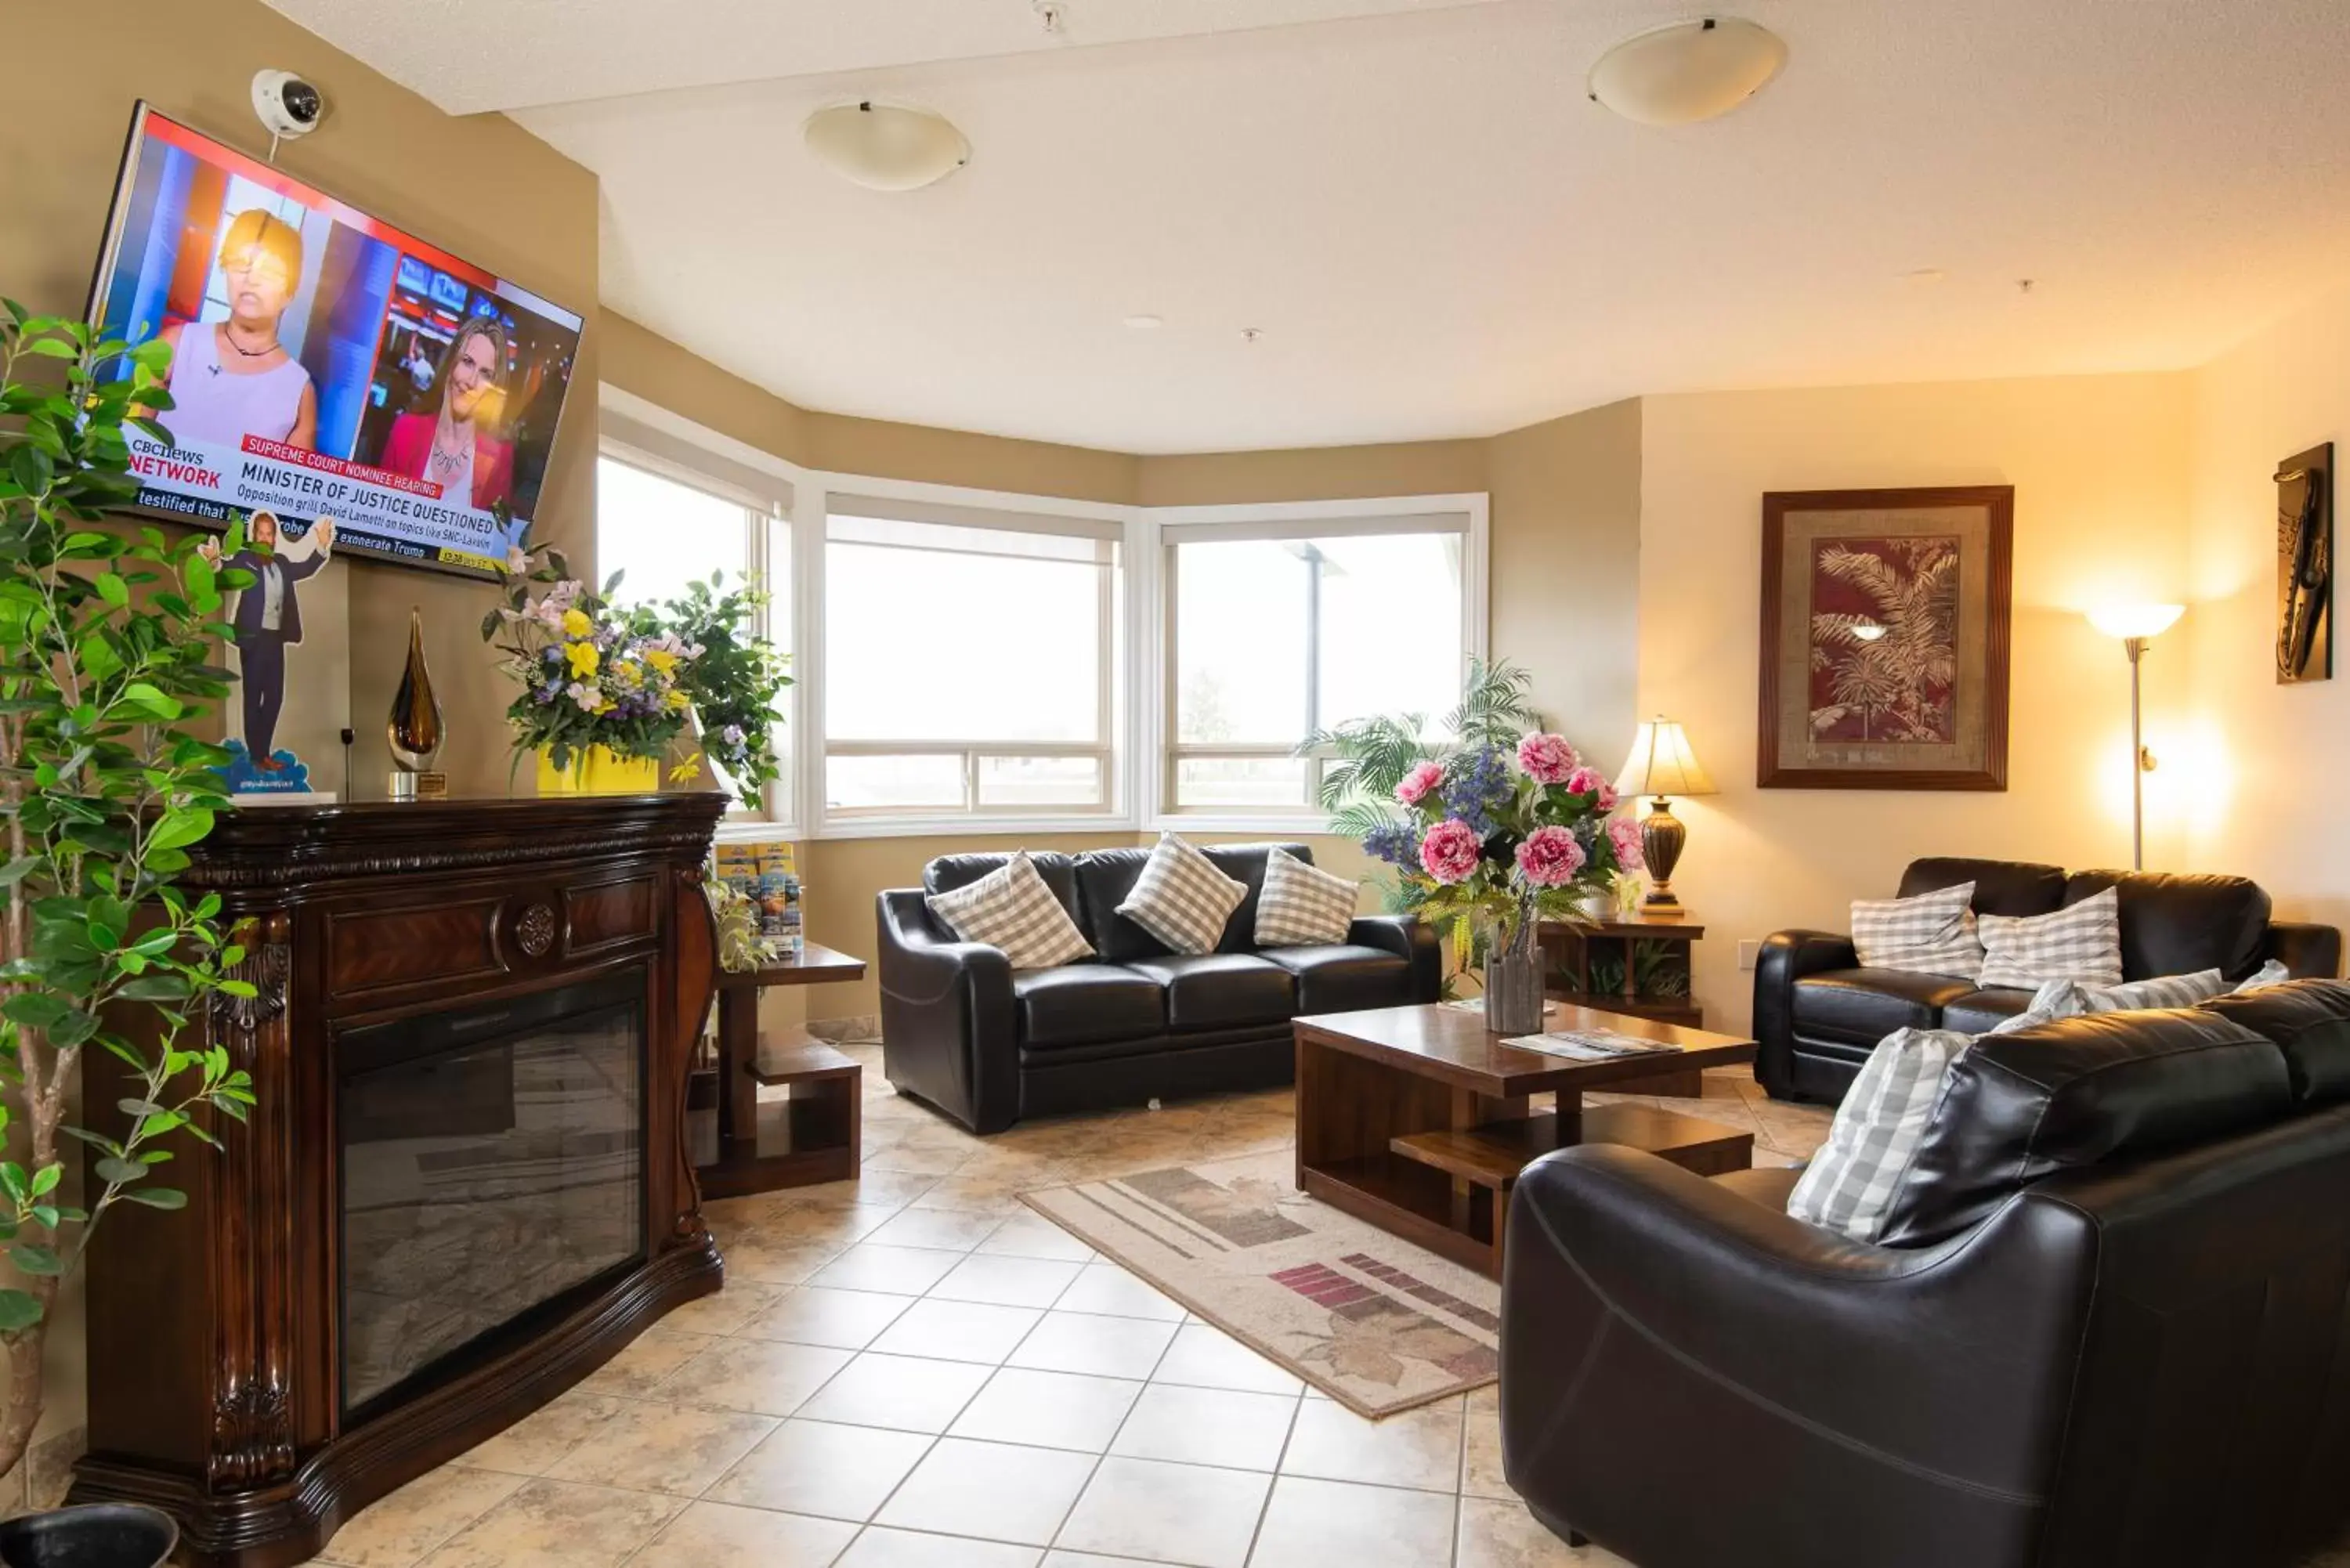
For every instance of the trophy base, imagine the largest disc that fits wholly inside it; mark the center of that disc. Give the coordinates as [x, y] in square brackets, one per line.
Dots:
[405, 785]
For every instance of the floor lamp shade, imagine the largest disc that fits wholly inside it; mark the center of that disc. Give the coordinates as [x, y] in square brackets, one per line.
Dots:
[1662, 764]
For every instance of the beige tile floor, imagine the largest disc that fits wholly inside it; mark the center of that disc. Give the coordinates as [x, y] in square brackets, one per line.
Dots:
[911, 1370]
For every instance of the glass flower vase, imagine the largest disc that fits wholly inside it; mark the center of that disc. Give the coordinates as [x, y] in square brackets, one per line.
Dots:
[1513, 979]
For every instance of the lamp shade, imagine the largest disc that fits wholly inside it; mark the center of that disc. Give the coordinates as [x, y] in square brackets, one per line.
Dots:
[2136, 620]
[1662, 763]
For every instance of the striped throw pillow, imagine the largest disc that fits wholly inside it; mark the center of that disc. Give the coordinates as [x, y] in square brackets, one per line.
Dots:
[1932, 933]
[1302, 905]
[1011, 908]
[1181, 898]
[2081, 943]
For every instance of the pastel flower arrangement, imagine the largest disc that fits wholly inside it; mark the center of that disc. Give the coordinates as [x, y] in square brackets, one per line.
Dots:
[1491, 833]
[1503, 835]
[592, 674]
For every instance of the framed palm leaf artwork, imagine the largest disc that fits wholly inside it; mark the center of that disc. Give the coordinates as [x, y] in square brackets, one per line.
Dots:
[1885, 639]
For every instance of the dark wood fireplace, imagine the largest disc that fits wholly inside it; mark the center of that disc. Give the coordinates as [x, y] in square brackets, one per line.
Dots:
[466, 1185]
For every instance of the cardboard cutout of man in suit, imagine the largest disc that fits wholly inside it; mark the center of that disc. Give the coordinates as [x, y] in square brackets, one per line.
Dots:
[268, 616]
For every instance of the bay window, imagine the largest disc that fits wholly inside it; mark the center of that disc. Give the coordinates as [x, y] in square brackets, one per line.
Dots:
[971, 663]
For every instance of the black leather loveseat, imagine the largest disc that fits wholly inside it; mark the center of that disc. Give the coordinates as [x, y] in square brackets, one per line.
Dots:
[1817, 1014]
[2137, 1359]
[988, 1045]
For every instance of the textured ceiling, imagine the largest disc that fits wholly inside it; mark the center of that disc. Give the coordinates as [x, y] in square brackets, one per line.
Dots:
[558, 51]
[1436, 233]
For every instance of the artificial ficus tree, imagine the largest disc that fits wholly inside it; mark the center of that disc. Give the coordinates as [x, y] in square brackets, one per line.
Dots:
[106, 638]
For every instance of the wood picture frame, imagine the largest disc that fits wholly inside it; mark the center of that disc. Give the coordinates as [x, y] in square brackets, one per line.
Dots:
[2304, 637]
[1920, 702]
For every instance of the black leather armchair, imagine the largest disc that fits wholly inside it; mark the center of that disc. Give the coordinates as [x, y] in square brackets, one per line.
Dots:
[1818, 1012]
[963, 1031]
[2134, 1360]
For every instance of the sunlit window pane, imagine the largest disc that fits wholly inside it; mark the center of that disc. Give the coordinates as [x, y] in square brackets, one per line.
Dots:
[1012, 646]
[661, 534]
[894, 783]
[1390, 626]
[1211, 782]
[1274, 640]
[1240, 642]
[1019, 783]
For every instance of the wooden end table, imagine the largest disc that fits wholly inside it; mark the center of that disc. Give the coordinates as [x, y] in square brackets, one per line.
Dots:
[1419, 1121]
[813, 1134]
[1568, 948]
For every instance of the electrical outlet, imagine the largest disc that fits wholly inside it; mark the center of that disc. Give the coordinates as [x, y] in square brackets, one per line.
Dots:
[1747, 954]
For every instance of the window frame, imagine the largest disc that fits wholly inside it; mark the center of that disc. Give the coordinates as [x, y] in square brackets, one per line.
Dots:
[1175, 525]
[1137, 746]
[653, 442]
[861, 495]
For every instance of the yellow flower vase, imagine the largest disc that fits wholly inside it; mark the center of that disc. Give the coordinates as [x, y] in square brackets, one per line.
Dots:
[598, 770]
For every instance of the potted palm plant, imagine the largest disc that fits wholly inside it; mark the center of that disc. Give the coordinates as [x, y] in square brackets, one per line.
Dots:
[106, 640]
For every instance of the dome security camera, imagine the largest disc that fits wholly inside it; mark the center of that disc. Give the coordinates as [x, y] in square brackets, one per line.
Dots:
[287, 106]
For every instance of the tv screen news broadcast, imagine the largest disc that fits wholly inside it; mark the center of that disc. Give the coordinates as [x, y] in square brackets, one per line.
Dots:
[326, 364]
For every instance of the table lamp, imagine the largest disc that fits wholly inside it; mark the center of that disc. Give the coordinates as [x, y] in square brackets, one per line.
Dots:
[2137, 624]
[1662, 765]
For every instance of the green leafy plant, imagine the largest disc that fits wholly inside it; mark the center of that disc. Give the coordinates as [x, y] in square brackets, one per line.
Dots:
[106, 636]
[1367, 758]
[734, 681]
[1657, 973]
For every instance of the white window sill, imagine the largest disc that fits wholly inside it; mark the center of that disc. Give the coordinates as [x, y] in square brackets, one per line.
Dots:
[746, 830]
[1304, 824]
[958, 827]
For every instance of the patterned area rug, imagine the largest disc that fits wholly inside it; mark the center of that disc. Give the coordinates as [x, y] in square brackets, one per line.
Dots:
[1378, 1324]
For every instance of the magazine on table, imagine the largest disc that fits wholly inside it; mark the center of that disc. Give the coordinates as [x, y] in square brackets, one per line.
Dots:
[1591, 1044]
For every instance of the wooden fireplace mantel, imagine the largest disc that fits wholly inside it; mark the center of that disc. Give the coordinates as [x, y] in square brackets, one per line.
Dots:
[214, 1360]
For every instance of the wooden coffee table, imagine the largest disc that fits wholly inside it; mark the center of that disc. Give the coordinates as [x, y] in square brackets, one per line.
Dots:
[1417, 1120]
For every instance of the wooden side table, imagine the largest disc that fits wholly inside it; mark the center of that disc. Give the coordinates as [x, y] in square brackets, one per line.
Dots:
[1569, 950]
[812, 1134]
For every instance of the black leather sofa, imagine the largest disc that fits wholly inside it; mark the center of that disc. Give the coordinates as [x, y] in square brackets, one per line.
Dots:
[989, 1046]
[1817, 1014]
[2138, 1359]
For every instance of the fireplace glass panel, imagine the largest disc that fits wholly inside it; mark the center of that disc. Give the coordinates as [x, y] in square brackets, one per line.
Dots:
[493, 1159]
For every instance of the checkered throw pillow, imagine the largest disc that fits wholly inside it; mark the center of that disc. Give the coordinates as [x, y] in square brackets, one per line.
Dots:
[1011, 908]
[1181, 898]
[2064, 998]
[2081, 943]
[1933, 933]
[1302, 905]
[1849, 1186]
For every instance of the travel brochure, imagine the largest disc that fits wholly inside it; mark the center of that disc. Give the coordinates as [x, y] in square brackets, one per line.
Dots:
[1591, 1044]
[764, 874]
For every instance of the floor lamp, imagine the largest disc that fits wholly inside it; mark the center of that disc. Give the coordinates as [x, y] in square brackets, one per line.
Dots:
[2137, 624]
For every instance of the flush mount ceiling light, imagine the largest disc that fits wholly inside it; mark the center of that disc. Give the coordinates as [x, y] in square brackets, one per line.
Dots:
[886, 146]
[1686, 71]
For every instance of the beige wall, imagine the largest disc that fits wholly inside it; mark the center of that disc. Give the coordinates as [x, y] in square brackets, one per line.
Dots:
[1565, 570]
[2099, 466]
[2263, 769]
[1324, 473]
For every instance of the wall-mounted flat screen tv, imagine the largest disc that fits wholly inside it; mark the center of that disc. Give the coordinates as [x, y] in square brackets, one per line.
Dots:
[326, 364]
